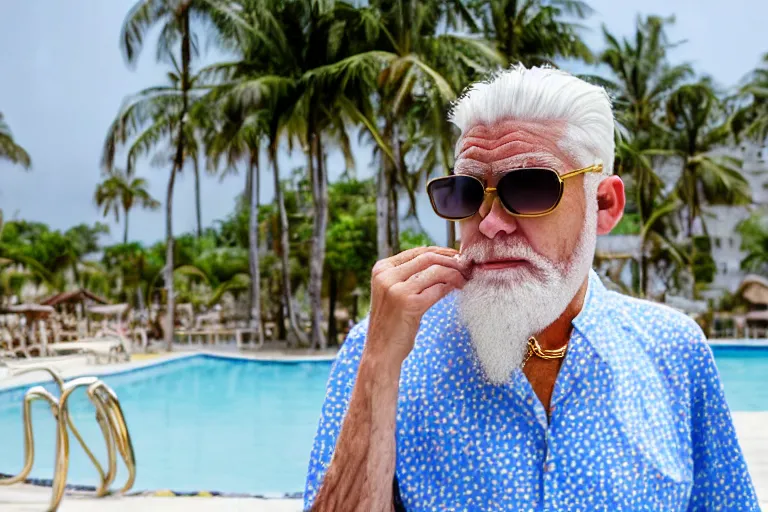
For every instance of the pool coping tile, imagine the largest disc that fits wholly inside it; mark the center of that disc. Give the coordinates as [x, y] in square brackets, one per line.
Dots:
[12, 383]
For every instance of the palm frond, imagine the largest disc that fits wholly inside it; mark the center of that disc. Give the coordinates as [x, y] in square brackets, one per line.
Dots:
[447, 94]
[722, 181]
[140, 19]
[143, 144]
[9, 150]
[337, 75]
[355, 113]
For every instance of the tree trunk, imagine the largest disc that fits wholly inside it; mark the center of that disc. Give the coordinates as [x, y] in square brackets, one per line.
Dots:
[511, 18]
[170, 299]
[257, 181]
[333, 290]
[643, 272]
[198, 207]
[317, 253]
[693, 198]
[450, 227]
[282, 332]
[186, 46]
[355, 306]
[382, 201]
[394, 221]
[253, 247]
[382, 213]
[397, 170]
[285, 248]
[76, 274]
[125, 231]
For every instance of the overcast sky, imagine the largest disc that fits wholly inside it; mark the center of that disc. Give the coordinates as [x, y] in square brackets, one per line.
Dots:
[63, 78]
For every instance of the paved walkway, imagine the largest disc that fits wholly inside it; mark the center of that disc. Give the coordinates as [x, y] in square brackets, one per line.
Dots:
[753, 437]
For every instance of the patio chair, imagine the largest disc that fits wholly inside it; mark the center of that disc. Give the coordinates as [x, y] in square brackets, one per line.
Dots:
[107, 344]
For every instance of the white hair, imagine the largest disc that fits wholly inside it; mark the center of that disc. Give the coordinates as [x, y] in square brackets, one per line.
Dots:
[544, 94]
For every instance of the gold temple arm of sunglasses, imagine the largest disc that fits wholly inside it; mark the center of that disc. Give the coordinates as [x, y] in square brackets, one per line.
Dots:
[591, 168]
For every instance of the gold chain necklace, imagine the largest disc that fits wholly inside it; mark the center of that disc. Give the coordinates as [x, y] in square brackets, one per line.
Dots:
[535, 349]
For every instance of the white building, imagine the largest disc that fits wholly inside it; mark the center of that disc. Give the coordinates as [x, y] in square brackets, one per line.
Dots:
[721, 222]
[726, 241]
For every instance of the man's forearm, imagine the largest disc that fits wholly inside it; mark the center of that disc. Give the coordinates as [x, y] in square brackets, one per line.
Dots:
[362, 470]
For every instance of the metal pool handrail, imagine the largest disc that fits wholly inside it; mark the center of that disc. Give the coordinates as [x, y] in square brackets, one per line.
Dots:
[109, 416]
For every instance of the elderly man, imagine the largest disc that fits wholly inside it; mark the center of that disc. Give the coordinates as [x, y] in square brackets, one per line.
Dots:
[506, 377]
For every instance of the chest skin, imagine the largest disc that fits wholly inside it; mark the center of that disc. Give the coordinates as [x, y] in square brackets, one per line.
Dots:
[542, 374]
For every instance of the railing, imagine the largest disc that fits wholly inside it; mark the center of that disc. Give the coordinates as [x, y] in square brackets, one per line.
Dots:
[109, 416]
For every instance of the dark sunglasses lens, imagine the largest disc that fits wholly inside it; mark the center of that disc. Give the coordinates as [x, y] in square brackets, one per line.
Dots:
[529, 191]
[456, 197]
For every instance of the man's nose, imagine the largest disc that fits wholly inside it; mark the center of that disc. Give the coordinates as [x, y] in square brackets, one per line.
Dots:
[495, 218]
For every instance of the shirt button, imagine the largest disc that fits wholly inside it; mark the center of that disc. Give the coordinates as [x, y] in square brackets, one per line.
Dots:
[549, 467]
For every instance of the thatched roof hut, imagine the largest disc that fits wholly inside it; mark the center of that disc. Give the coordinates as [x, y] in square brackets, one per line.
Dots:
[754, 289]
[72, 297]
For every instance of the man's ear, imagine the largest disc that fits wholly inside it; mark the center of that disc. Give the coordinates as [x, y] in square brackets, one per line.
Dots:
[610, 204]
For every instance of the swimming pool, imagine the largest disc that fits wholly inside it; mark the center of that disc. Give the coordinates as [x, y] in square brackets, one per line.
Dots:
[231, 425]
[197, 423]
[744, 372]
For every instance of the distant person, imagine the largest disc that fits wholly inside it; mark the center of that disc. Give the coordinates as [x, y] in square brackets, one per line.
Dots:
[506, 376]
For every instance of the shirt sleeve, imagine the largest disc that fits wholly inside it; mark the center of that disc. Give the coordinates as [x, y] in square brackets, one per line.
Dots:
[337, 395]
[721, 479]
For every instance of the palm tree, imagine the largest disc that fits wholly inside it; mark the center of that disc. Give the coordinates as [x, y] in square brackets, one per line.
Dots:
[642, 81]
[754, 240]
[643, 77]
[699, 126]
[146, 120]
[428, 62]
[752, 118]
[17, 267]
[332, 85]
[166, 107]
[306, 65]
[235, 137]
[118, 191]
[534, 32]
[9, 150]
[259, 89]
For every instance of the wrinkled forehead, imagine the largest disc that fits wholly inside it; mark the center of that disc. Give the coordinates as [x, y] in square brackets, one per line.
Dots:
[487, 149]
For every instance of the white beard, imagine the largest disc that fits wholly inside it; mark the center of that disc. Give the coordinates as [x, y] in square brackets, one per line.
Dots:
[503, 308]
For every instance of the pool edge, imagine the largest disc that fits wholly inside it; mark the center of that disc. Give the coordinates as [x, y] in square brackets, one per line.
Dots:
[46, 482]
[106, 370]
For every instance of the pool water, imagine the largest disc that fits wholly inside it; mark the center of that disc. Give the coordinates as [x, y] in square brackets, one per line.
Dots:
[744, 372]
[229, 425]
[199, 423]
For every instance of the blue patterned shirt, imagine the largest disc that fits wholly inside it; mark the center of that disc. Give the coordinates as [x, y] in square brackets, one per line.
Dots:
[637, 420]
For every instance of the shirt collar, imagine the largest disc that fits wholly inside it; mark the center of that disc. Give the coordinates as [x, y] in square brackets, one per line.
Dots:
[600, 323]
[592, 318]
[593, 300]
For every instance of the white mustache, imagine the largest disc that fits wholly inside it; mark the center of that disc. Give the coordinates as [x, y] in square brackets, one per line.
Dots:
[484, 251]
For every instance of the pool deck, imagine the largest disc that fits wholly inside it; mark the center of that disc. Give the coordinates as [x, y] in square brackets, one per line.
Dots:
[750, 427]
[31, 498]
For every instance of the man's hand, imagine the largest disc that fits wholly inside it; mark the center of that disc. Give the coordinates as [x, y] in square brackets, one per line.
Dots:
[403, 288]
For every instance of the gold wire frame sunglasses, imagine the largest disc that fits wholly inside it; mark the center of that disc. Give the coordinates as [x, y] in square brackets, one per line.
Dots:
[527, 192]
